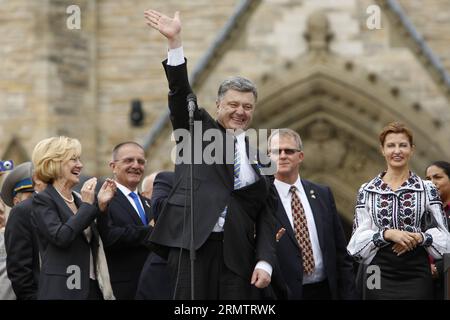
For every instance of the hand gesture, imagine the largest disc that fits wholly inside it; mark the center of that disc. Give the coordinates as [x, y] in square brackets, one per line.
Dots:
[168, 27]
[434, 272]
[260, 278]
[106, 193]
[88, 190]
[403, 240]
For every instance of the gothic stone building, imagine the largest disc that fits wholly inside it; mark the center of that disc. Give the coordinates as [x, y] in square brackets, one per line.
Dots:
[335, 71]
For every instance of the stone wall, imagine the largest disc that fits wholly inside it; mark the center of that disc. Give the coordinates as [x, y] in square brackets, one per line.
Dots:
[81, 82]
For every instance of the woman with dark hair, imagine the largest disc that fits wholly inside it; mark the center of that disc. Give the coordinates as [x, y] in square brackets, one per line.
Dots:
[439, 173]
[388, 234]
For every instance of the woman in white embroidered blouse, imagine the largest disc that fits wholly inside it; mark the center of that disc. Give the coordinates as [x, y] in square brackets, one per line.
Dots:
[387, 229]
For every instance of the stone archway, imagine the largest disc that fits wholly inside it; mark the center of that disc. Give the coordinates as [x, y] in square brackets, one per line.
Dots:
[15, 151]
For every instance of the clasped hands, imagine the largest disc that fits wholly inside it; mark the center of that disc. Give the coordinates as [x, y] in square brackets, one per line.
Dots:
[104, 196]
[403, 240]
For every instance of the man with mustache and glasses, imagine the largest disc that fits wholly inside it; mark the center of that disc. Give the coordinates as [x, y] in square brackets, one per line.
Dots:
[126, 226]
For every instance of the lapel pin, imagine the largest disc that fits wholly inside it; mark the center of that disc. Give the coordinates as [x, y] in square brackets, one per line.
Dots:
[313, 195]
[146, 203]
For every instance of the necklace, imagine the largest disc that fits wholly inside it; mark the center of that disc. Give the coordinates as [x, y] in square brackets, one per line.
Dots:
[65, 199]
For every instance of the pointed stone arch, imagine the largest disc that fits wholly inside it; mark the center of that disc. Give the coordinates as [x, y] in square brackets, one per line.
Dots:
[339, 109]
[15, 151]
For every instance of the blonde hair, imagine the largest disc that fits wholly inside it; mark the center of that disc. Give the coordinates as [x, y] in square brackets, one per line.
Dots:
[286, 132]
[50, 153]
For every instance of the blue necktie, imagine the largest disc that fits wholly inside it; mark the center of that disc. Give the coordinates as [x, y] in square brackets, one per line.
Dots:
[237, 167]
[237, 180]
[139, 207]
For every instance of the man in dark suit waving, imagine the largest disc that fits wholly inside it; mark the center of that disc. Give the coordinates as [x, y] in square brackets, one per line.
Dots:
[312, 254]
[234, 231]
[126, 226]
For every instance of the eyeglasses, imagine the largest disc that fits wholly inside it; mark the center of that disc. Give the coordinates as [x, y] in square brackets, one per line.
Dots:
[288, 152]
[76, 159]
[128, 161]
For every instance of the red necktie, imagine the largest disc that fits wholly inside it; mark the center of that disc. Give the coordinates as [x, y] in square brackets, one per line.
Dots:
[302, 232]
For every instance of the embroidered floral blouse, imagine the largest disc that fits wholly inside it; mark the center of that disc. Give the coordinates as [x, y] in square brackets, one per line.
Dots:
[378, 208]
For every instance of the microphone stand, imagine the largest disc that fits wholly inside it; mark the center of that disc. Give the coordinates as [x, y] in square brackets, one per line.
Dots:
[191, 108]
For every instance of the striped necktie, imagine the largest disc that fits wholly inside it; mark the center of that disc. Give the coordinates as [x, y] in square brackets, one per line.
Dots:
[237, 166]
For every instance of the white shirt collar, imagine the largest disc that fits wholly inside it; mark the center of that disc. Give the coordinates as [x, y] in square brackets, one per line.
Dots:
[124, 189]
[284, 188]
[241, 138]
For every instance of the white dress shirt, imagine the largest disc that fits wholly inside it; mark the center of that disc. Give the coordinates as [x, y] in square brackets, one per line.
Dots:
[247, 174]
[286, 198]
[126, 192]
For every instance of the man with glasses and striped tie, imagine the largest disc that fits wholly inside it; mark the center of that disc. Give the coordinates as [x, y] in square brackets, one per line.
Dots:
[234, 224]
[126, 226]
[312, 254]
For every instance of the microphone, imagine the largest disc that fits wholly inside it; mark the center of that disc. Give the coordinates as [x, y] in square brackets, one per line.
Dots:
[192, 102]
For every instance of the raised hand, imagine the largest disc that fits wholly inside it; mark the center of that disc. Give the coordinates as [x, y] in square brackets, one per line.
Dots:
[88, 190]
[168, 27]
[106, 193]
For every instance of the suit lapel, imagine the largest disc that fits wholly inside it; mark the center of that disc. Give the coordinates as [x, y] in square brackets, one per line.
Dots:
[316, 208]
[122, 200]
[226, 171]
[63, 208]
[147, 208]
[253, 162]
[284, 221]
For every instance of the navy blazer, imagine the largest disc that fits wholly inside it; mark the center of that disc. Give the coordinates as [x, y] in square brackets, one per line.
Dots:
[21, 244]
[154, 283]
[124, 235]
[338, 264]
[63, 245]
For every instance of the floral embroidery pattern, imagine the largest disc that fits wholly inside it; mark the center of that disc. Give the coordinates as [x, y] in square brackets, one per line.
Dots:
[398, 209]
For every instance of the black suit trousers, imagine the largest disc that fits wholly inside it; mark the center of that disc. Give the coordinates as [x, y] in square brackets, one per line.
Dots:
[212, 279]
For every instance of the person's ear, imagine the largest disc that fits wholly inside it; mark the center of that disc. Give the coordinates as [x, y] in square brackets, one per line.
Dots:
[301, 156]
[382, 150]
[16, 200]
[112, 165]
[217, 105]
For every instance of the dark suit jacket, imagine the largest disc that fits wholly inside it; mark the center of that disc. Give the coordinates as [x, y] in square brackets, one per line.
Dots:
[338, 264]
[123, 235]
[22, 259]
[62, 244]
[249, 227]
[154, 283]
